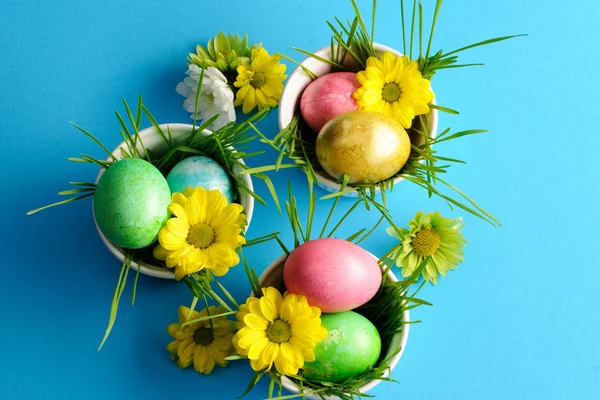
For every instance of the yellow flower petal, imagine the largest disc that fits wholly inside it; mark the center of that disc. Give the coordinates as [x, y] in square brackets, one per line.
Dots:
[160, 253]
[288, 307]
[248, 339]
[217, 356]
[254, 321]
[257, 348]
[270, 353]
[170, 241]
[292, 354]
[179, 211]
[178, 227]
[258, 365]
[200, 358]
[227, 216]
[210, 363]
[186, 350]
[188, 191]
[173, 347]
[179, 199]
[267, 306]
[192, 210]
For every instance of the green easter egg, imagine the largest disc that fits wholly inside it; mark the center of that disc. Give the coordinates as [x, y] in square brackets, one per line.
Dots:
[131, 203]
[351, 348]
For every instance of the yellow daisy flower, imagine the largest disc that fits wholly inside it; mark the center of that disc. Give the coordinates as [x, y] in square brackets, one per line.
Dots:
[278, 330]
[393, 86]
[261, 82]
[203, 234]
[430, 235]
[200, 343]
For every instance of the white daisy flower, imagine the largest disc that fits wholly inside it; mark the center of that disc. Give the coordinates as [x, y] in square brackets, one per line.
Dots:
[216, 96]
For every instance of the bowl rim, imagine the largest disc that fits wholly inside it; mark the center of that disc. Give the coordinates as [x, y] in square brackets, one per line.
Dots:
[144, 267]
[398, 340]
[289, 101]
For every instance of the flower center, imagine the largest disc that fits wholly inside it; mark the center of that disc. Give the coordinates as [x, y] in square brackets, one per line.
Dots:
[391, 92]
[258, 80]
[426, 242]
[201, 236]
[203, 336]
[279, 331]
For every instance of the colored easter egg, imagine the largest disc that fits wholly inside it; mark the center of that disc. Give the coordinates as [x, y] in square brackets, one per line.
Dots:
[351, 348]
[327, 97]
[200, 171]
[334, 275]
[131, 203]
[367, 146]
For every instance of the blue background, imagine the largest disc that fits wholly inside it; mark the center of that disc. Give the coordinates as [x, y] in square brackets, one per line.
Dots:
[519, 319]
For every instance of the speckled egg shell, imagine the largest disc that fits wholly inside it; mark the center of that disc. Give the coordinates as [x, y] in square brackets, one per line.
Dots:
[131, 203]
[327, 97]
[334, 275]
[367, 146]
[351, 348]
[200, 171]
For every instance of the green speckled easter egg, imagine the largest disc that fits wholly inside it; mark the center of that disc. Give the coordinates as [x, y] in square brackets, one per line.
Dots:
[351, 348]
[131, 203]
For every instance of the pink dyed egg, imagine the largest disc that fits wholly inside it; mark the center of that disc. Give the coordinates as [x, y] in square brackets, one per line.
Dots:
[334, 275]
[327, 97]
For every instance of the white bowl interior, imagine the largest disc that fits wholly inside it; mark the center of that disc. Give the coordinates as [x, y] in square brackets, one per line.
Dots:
[153, 142]
[273, 276]
[299, 80]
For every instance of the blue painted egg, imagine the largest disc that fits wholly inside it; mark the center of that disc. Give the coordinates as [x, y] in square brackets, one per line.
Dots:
[200, 171]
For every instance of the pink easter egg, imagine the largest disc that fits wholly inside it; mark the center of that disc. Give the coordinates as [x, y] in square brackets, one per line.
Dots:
[327, 97]
[334, 275]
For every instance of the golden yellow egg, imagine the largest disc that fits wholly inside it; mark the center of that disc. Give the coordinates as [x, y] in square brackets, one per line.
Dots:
[367, 146]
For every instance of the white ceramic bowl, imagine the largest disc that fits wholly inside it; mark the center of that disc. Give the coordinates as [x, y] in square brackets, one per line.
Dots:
[153, 142]
[273, 276]
[298, 81]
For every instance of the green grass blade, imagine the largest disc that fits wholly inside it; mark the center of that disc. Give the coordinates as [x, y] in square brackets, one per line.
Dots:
[75, 191]
[438, 6]
[316, 57]
[307, 71]
[59, 203]
[444, 109]
[95, 140]
[403, 27]
[116, 298]
[82, 184]
[412, 28]
[135, 283]
[461, 134]
[483, 43]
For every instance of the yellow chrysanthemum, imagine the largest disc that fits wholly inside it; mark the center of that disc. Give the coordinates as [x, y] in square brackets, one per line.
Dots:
[430, 235]
[278, 330]
[261, 82]
[393, 86]
[201, 343]
[203, 234]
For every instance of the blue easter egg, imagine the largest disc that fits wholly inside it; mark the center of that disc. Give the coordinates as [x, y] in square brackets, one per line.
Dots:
[200, 171]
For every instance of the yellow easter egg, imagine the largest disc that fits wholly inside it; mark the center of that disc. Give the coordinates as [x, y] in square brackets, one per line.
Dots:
[367, 146]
